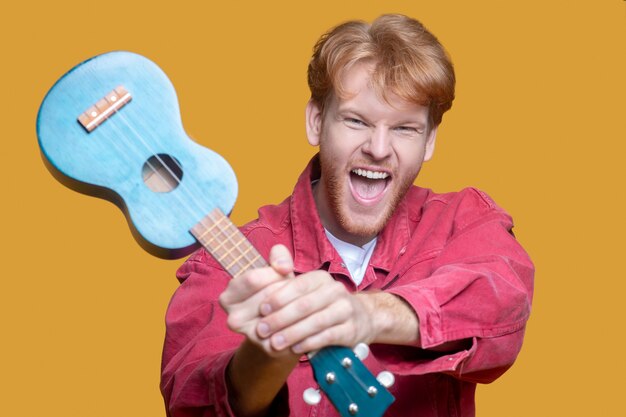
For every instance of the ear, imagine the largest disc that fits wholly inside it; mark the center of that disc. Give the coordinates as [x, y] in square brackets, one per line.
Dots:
[313, 122]
[430, 144]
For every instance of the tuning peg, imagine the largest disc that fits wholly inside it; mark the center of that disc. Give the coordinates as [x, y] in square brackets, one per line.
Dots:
[312, 396]
[386, 379]
[361, 351]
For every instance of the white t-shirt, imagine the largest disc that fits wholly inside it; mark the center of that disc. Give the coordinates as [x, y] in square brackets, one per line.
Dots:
[356, 258]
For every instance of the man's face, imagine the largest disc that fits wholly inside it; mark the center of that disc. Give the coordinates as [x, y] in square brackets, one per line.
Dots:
[371, 151]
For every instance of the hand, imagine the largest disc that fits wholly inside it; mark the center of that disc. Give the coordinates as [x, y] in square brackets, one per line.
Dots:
[313, 311]
[243, 296]
[256, 372]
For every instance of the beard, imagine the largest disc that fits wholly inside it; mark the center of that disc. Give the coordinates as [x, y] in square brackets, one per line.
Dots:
[333, 179]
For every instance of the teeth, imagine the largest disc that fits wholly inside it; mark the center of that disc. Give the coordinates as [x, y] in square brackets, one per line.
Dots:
[373, 175]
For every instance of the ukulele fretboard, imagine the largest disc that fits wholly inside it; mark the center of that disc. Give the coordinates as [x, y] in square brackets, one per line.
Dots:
[226, 243]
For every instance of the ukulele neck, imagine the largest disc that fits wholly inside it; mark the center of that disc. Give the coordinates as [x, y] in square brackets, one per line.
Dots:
[225, 242]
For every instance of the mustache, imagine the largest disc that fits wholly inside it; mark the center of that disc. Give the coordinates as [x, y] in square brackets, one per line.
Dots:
[373, 165]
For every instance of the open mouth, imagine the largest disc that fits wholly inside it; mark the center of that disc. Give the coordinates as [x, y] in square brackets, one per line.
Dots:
[368, 186]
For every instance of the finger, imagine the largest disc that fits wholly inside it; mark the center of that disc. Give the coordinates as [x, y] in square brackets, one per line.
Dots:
[298, 306]
[317, 323]
[247, 284]
[299, 287]
[340, 335]
[281, 259]
[242, 313]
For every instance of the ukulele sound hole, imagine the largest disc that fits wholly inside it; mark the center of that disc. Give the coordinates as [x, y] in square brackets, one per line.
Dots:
[162, 173]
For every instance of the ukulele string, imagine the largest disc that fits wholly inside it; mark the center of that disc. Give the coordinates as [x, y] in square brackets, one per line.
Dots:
[138, 153]
[129, 149]
[190, 195]
[157, 172]
[248, 263]
[136, 150]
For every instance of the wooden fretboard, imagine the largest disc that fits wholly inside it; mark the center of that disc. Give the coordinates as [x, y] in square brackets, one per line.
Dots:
[225, 242]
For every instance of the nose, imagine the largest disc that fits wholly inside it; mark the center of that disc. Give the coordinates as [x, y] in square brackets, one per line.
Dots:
[378, 145]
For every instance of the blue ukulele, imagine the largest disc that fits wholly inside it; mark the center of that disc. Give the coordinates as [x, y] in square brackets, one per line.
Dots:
[111, 128]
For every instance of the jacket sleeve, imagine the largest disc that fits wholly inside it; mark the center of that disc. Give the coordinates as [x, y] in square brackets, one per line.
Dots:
[477, 291]
[198, 346]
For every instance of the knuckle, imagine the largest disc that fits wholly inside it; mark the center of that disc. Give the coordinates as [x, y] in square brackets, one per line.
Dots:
[274, 300]
[322, 276]
[273, 322]
[348, 307]
[250, 279]
[301, 284]
[254, 279]
[303, 306]
[345, 335]
[337, 289]
[332, 336]
[350, 333]
[344, 308]
[340, 288]
[321, 320]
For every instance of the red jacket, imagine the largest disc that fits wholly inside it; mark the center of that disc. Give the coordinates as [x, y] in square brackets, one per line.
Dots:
[452, 257]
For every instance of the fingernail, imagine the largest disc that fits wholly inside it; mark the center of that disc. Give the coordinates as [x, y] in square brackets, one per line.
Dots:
[263, 329]
[297, 349]
[266, 309]
[283, 261]
[279, 341]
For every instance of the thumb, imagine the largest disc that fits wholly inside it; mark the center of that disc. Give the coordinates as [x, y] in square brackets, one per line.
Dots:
[281, 260]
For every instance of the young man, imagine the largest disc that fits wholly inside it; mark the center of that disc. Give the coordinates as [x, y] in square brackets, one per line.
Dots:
[435, 283]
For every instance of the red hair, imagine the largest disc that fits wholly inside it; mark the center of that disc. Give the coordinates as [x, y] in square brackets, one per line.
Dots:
[408, 61]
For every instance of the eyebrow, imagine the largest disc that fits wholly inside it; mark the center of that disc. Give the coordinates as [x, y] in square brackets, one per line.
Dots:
[409, 122]
[359, 115]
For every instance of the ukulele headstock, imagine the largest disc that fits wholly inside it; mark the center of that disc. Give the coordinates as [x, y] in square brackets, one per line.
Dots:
[349, 385]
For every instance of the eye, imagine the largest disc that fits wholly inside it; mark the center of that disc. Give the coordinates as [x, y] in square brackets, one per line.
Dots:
[351, 121]
[409, 130]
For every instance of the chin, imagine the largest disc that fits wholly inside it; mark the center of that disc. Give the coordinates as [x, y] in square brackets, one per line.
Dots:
[364, 227]
[369, 221]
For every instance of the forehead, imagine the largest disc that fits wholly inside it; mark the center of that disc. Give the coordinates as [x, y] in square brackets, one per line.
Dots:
[358, 93]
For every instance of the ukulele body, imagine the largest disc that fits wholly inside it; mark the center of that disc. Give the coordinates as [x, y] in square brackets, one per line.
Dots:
[146, 133]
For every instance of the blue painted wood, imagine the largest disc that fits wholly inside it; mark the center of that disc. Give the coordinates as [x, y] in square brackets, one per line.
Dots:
[350, 384]
[108, 161]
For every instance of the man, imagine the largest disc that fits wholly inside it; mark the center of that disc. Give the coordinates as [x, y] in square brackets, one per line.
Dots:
[435, 283]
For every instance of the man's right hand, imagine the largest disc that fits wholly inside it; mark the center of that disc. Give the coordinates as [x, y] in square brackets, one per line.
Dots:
[256, 372]
[244, 294]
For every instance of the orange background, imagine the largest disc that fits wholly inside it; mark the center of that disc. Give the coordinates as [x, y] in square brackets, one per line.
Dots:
[538, 123]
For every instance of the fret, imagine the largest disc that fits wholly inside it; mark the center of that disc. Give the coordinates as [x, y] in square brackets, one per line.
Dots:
[225, 242]
[223, 254]
[221, 258]
[238, 258]
[250, 264]
[206, 230]
[226, 238]
[206, 242]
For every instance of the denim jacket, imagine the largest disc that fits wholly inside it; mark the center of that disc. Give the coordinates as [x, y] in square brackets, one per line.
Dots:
[452, 257]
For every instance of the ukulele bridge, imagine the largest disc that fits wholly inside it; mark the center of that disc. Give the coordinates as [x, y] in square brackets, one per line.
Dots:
[104, 108]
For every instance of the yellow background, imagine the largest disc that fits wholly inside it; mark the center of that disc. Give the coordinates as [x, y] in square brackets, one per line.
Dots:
[538, 123]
